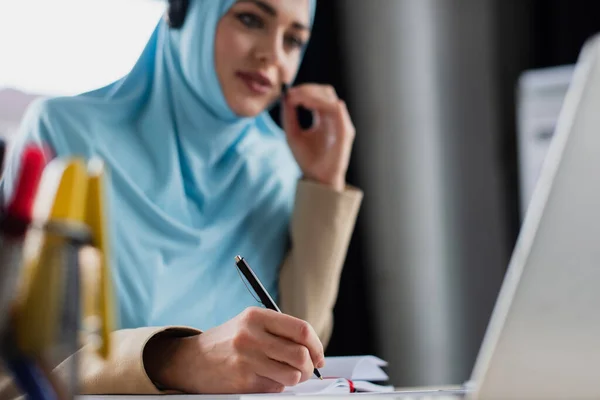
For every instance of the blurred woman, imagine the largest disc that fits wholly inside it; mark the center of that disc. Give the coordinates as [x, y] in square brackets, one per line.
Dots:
[200, 173]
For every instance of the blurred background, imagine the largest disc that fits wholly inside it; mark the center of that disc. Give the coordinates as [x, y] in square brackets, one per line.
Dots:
[454, 102]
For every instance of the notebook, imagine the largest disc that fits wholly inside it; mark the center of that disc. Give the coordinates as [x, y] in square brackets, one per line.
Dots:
[346, 375]
[364, 368]
[336, 386]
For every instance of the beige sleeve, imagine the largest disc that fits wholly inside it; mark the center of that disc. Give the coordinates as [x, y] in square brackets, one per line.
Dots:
[122, 373]
[321, 227]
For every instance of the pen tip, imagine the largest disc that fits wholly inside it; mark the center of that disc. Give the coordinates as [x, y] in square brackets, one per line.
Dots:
[238, 259]
[317, 374]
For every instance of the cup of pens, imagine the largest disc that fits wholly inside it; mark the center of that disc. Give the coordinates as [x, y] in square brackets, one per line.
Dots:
[47, 298]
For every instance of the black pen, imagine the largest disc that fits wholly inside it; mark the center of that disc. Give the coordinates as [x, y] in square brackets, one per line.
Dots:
[305, 116]
[2, 155]
[260, 290]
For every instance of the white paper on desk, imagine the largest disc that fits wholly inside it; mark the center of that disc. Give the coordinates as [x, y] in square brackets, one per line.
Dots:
[334, 386]
[314, 386]
[360, 368]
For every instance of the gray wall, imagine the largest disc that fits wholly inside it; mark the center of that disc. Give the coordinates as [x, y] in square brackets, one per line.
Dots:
[422, 95]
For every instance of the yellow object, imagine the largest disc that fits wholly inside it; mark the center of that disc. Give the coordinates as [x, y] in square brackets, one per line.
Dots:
[64, 185]
[69, 192]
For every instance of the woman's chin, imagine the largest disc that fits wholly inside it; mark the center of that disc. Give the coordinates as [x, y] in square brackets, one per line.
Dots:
[248, 107]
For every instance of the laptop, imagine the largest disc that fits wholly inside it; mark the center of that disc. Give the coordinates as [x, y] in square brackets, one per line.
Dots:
[543, 338]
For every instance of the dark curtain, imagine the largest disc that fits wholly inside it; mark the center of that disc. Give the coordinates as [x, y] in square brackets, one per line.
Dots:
[559, 29]
[324, 64]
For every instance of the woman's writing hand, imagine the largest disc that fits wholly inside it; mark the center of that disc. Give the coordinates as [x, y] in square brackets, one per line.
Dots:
[323, 151]
[258, 351]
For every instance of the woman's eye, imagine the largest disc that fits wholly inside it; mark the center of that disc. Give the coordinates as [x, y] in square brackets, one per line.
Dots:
[294, 42]
[250, 20]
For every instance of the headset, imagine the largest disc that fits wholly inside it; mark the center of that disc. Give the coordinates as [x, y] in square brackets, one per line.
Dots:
[176, 13]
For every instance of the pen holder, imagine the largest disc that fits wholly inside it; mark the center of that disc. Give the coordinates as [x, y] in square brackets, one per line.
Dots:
[41, 310]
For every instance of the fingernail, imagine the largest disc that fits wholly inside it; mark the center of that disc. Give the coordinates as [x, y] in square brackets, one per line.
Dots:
[321, 364]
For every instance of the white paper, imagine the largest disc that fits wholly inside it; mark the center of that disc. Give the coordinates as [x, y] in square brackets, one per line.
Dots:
[359, 368]
[314, 386]
[334, 386]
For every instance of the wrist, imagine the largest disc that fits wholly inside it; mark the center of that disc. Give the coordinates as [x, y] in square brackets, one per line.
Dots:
[338, 184]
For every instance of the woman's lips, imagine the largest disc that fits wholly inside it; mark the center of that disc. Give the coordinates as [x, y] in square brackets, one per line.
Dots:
[256, 83]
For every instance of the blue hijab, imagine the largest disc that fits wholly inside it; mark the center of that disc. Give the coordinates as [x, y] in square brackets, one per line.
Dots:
[192, 184]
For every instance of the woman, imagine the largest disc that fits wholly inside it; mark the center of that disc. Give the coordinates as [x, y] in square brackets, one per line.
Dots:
[200, 173]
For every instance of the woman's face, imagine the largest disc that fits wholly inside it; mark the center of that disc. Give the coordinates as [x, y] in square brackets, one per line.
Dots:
[257, 48]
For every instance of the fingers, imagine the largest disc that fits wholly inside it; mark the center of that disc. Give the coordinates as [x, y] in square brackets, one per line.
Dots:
[272, 356]
[343, 118]
[290, 117]
[320, 99]
[296, 330]
[325, 93]
[279, 372]
[292, 354]
[323, 99]
[286, 327]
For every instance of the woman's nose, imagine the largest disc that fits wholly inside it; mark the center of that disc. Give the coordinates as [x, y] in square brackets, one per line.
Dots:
[271, 50]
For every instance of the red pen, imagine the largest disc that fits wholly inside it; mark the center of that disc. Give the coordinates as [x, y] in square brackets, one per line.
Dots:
[14, 221]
